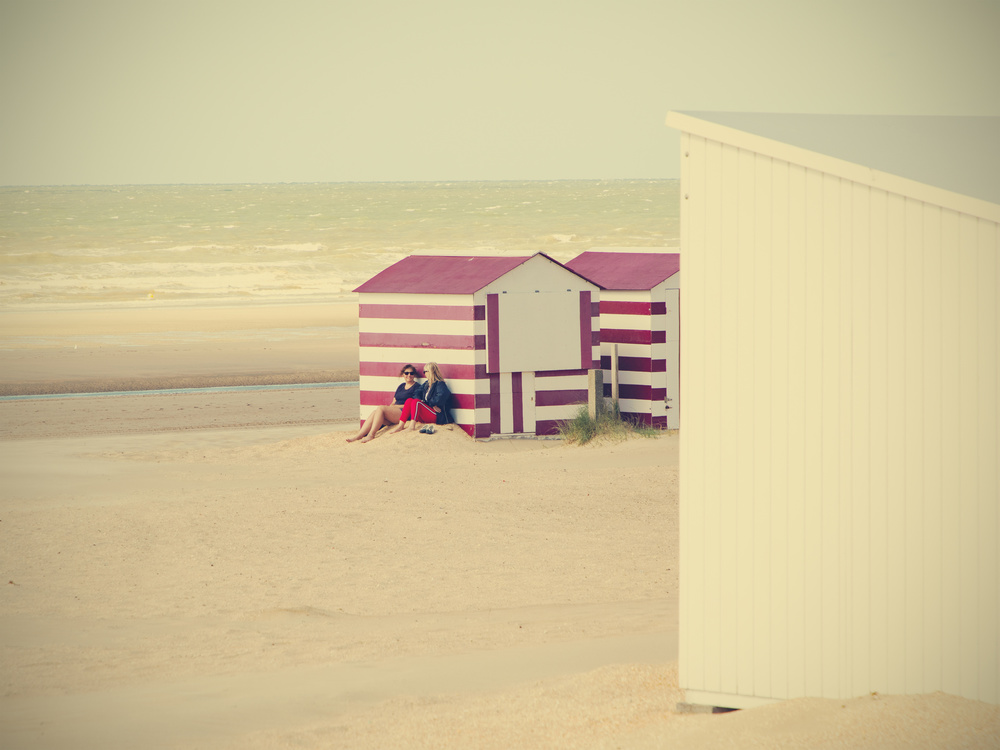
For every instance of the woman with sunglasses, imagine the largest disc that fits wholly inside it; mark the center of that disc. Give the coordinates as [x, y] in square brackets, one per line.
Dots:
[390, 413]
[429, 405]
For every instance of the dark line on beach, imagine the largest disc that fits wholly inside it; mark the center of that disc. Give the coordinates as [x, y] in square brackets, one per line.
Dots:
[175, 391]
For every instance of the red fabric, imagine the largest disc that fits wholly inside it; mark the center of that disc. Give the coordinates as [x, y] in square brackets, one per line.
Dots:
[418, 410]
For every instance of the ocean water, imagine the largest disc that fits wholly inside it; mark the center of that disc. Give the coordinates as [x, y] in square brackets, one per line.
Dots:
[218, 244]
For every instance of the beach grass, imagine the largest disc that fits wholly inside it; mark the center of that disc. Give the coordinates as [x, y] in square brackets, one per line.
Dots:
[607, 425]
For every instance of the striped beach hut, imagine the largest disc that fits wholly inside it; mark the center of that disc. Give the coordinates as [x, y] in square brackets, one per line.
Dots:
[515, 337]
[840, 457]
[640, 333]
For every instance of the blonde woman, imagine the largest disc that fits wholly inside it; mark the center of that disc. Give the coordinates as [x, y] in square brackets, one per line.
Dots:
[429, 405]
[390, 413]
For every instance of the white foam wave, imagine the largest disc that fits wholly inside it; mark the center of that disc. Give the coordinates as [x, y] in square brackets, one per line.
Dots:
[201, 242]
[299, 247]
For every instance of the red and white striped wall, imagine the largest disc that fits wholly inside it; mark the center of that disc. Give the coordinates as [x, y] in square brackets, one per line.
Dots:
[472, 338]
[644, 325]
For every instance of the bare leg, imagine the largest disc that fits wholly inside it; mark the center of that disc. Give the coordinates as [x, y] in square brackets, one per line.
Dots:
[380, 418]
[366, 427]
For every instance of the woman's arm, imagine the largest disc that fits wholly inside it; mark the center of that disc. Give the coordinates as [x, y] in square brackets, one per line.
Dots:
[438, 395]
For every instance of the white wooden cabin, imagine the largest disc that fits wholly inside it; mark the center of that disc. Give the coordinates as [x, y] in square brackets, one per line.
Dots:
[515, 337]
[840, 451]
[640, 330]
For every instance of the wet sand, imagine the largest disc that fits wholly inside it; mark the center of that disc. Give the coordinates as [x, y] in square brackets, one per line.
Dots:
[83, 350]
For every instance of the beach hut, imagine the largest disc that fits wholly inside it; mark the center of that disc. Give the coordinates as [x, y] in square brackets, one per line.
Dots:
[516, 337]
[640, 334]
[839, 458]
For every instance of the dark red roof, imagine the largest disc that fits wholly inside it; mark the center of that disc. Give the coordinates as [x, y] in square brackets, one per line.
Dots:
[626, 271]
[441, 274]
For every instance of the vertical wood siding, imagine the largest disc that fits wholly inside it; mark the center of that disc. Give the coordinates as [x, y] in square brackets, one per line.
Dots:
[840, 454]
[638, 322]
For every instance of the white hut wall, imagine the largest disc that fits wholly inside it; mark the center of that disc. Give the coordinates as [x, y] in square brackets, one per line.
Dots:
[542, 325]
[395, 329]
[839, 461]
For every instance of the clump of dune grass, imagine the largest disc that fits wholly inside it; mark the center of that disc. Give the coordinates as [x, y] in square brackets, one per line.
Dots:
[608, 425]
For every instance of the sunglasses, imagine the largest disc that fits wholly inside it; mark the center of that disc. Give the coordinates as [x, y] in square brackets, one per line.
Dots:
[409, 372]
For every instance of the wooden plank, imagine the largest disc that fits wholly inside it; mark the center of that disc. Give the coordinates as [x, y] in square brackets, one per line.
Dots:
[968, 485]
[897, 409]
[845, 466]
[714, 417]
[933, 400]
[913, 388]
[517, 402]
[506, 403]
[858, 542]
[748, 338]
[830, 421]
[761, 426]
[693, 534]
[417, 311]
[951, 551]
[796, 393]
[988, 278]
[528, 416]
[671, 362]
[878, 561]
[725, 455]
[587, 324]
[778, 376]
[691, 513]
[493, 332]
[812, 498]
[417, 326]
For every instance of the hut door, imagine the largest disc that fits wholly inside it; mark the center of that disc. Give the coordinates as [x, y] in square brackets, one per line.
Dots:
[515, 403]
[527, 400]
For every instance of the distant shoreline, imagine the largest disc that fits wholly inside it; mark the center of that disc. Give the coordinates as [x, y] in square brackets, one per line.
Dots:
[253, 183]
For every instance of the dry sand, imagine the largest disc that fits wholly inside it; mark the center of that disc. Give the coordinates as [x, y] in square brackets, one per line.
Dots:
[225, 571]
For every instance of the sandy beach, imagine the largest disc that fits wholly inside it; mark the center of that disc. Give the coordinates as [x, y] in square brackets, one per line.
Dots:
[223, 570]
[142, 347]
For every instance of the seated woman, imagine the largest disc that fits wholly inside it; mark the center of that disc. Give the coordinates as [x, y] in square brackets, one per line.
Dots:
[429, 405]
[390, 413]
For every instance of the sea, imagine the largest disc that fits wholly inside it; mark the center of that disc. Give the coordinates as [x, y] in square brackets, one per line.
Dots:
[107, 246]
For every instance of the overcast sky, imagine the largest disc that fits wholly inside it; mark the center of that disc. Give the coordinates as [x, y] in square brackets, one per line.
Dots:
[170, 91]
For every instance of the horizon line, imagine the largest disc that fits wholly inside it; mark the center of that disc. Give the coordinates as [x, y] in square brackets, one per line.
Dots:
[327, 182]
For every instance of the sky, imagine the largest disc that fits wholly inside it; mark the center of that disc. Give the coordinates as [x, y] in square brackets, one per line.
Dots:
[234, 91]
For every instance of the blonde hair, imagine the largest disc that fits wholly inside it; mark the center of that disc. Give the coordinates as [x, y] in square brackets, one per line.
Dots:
[434, 373]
